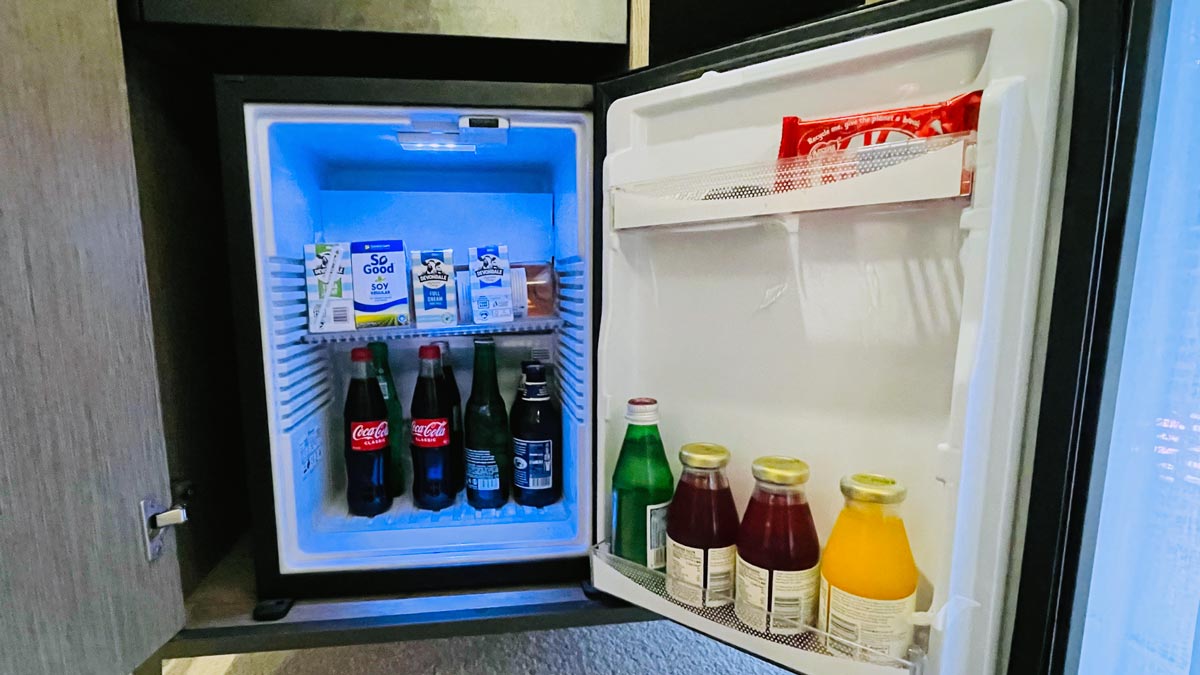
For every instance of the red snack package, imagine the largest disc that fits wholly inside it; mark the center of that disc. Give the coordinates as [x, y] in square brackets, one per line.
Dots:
[813, 150]
[801, 138]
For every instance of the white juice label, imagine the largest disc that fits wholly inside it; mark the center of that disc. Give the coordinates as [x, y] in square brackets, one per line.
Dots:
[787, 598]
[656, 535]
[700, 577]
[879, 625]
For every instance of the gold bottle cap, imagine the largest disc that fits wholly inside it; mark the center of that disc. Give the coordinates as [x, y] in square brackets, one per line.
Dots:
[780, 470]
[873, 487]
[704, 455]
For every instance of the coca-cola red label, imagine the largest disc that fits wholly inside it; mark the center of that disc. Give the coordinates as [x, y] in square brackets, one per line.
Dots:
[368, 436]
[430, 433]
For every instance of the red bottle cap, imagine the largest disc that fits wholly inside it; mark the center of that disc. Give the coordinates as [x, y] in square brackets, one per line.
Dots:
[429, 352]
[641, 410]
[360, 354]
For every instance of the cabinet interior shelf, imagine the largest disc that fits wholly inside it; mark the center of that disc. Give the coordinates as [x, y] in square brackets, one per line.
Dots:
[547, 324]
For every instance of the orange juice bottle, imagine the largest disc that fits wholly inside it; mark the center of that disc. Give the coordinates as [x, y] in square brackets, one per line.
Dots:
[868, 576]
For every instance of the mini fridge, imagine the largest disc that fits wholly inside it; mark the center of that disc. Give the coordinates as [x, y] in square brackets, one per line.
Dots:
[883, 321]
[936, 309]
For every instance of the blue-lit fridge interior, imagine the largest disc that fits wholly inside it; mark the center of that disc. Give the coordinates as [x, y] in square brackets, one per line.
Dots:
[354, 173]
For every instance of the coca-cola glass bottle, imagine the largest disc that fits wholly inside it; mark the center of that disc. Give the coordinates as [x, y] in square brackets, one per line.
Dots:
[430, 438]
[366, 440]
[458, 463]
[489, 460]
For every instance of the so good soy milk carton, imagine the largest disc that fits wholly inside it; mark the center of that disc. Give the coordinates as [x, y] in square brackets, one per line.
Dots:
[380, 283]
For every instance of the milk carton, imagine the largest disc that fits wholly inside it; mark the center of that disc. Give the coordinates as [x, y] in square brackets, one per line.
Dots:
[380, 283]
[490, 284]
[330, 287]
[435, 302]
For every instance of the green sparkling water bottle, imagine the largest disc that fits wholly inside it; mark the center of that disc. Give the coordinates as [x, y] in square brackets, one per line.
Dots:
[642, 488]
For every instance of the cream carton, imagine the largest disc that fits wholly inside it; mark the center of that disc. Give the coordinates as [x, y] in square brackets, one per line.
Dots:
[490, 284]
[380, 283]
[435, 302]
[330, 287]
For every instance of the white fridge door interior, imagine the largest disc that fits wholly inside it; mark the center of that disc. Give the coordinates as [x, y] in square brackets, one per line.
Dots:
[878, 323]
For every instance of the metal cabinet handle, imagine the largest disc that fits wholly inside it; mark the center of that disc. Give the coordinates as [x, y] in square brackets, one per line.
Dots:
[155, 520]
[173, 516]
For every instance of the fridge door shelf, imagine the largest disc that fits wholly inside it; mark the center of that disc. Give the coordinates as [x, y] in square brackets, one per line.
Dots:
[804, 650]
[939, 167]
[544, 324]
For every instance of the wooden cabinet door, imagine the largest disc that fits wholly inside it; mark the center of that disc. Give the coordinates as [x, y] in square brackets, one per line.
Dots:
[81, 440]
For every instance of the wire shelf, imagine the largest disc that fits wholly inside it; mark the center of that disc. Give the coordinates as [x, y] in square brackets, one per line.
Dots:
[518, 327]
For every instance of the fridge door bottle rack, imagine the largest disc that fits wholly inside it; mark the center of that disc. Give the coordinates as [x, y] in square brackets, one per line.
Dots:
[722, 622]
[932, 335]
[938, 167]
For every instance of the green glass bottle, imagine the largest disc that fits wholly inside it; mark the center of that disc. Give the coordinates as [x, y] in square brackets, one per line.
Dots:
[488, 442]
[642, 489]
[396, 480]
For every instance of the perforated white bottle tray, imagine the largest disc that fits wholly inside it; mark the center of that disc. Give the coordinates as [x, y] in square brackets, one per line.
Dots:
[789, 642]
[939, 167]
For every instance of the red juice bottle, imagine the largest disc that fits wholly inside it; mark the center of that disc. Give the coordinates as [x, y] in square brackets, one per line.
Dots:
[702, 529]
[778, 555]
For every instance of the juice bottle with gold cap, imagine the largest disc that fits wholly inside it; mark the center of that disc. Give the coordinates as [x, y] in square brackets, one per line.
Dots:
[702, 529]
[868, 576]
[777, 551]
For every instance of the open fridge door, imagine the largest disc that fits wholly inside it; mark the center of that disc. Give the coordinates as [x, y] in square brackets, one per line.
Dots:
[870, 311]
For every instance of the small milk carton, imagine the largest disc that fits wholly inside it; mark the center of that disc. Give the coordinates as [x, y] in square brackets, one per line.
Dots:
[435, 302]
[330, 287]
[490, 284]
[380, 283]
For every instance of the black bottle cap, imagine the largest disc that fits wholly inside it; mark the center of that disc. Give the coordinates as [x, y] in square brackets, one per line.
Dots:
[535, 373]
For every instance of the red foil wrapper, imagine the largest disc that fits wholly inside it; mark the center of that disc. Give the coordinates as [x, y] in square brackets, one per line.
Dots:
[801, 138]
[823, 142]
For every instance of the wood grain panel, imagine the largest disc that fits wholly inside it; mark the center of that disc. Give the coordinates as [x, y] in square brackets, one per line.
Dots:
[81, 437]
[601, 21]
[639, 34]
